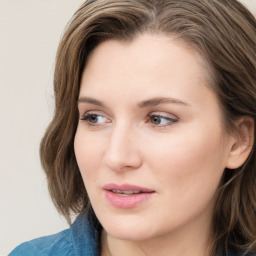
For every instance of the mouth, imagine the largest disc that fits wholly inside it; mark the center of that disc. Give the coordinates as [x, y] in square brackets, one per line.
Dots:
[126, 192]
[126, 195]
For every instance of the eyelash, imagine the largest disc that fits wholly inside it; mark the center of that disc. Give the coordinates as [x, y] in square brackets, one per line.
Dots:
[169, 121]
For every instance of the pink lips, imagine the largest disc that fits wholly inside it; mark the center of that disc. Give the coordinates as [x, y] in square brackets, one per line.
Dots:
[126, 195]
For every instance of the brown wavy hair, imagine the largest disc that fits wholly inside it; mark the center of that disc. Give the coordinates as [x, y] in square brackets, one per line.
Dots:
[224, 33]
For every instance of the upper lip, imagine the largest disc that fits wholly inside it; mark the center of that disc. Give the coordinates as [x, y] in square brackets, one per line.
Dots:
[126, 187]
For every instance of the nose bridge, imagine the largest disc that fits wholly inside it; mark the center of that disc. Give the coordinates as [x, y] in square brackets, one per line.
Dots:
[122, 151]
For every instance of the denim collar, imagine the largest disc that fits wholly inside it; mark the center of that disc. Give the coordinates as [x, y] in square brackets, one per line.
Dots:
[86, 238]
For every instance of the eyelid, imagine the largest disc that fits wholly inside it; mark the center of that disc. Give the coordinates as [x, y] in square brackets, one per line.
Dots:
[164, 115]
[92, 112]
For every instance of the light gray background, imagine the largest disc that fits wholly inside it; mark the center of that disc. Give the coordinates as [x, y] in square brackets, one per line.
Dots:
[29, 34]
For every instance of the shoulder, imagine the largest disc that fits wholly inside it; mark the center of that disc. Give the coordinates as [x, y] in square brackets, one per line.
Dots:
[81, 239]
[57, 244]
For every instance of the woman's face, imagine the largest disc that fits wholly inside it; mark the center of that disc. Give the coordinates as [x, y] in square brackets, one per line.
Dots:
[150, 144]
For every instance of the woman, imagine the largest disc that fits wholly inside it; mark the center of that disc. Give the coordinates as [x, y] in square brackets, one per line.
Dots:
[152, 142]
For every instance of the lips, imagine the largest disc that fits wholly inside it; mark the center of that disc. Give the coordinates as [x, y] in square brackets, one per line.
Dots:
[126, 195]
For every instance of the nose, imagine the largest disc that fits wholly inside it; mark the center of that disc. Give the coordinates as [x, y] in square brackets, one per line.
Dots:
[122, 152]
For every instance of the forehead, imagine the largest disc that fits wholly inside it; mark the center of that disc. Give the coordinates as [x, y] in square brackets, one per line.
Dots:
[146, 60]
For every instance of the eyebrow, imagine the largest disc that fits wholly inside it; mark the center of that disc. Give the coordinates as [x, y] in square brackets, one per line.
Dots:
[90, 101]
[157, 101]
[147, 103]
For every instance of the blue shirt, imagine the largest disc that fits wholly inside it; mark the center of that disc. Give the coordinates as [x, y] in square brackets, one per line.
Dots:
[81, 239]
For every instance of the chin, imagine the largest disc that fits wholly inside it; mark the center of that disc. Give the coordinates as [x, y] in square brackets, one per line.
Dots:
[130, 234]
[134, 228]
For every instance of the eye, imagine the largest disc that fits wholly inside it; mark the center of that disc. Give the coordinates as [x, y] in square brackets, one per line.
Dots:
[94, 119]
[161, 120]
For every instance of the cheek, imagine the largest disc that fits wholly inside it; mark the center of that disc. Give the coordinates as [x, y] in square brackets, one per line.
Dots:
[191, 163]
[88, 154]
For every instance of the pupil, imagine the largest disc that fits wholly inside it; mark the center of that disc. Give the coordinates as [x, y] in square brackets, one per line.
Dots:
[156, 120]
[93, 119]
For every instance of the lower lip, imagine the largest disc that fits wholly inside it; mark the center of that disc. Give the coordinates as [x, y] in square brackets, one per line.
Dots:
[127, 201]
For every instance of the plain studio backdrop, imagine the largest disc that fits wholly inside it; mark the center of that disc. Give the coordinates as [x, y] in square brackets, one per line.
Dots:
[29, 34]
